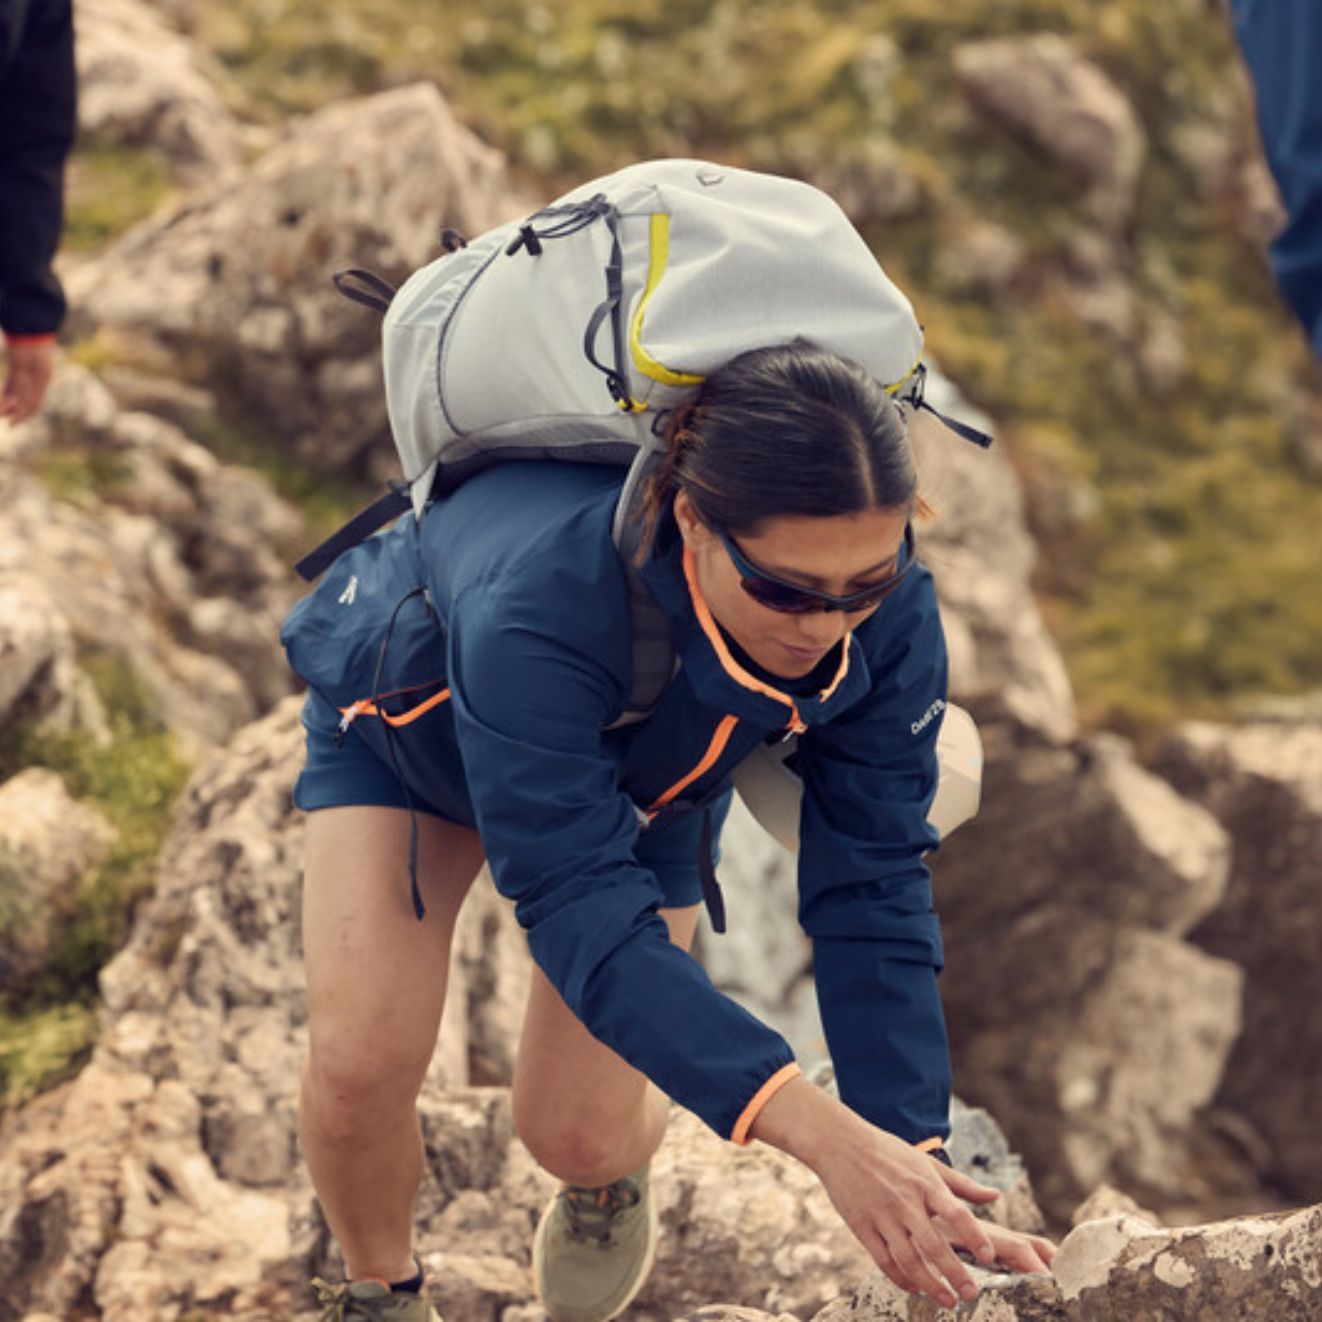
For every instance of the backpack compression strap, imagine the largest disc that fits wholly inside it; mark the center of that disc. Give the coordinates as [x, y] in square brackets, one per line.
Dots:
[655, 662]
[358, 529]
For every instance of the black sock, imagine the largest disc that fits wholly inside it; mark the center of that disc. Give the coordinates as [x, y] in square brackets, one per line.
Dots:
[412, 1286]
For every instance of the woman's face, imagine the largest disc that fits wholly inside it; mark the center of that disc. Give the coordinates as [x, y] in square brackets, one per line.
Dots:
[841, 554]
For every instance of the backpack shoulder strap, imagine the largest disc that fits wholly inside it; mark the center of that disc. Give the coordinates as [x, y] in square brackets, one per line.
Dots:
[655, 662]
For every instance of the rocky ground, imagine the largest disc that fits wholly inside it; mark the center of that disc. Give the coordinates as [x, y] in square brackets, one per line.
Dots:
[1130, 976]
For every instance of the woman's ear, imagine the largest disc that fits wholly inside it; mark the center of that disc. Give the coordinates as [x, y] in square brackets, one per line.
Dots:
[691, 527]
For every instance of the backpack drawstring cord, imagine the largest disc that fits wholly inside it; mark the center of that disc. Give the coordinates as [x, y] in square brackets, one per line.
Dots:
[377, 699]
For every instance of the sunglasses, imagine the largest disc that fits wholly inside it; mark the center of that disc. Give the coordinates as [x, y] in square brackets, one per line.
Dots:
[792, 599]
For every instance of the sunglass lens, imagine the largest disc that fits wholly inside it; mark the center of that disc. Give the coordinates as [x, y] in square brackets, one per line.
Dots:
[781, 597]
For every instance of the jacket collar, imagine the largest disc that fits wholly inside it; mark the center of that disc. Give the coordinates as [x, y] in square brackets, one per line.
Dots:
[717, 675]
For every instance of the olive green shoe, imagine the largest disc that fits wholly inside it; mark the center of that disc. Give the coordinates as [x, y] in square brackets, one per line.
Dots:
[370, 1301]
[594, 1248]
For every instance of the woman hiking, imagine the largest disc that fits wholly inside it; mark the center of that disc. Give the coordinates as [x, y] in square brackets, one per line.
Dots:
[776, 535]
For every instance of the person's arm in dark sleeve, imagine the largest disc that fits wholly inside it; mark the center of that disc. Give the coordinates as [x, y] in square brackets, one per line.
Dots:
[865, 893]
[37, 124]
[560, 837]
[1282, 45]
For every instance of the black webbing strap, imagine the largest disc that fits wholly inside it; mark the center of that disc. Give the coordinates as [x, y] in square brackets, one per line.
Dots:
[366, 288]
[358, 529]
[613, 306]
[962, 429]
[711, 888]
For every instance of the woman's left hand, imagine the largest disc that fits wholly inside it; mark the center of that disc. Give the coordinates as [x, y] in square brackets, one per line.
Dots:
[1015, 1250]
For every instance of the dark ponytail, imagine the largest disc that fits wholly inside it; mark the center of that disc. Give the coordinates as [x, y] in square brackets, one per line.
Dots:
[787, 430]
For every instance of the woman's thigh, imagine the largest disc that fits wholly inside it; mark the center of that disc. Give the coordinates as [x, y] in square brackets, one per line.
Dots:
[376, 974]
[562, 1069]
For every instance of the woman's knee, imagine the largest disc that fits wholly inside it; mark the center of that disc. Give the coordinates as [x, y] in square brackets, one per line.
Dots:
[584, 1145]
[348, 1083]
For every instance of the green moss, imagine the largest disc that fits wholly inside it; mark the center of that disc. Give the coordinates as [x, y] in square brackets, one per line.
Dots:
[109, 188]
[41, 1048]
[133, 780]
[80, 476]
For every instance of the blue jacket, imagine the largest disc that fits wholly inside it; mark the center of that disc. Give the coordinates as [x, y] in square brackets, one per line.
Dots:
[1282, 44]
[521, 647]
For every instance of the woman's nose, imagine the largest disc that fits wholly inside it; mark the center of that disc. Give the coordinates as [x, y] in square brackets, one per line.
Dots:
[821, 628]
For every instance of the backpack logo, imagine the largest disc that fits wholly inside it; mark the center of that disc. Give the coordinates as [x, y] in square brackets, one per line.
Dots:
[350, 593]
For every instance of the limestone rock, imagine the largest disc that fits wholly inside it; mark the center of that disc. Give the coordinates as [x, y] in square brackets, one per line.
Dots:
[726, 1222]
[1002, 1299]
[1105, 1202]
[872, 183]
[1003, 662]
[1267, 1268]
[1085, 1023]
[48, 844]
[143, 85]
[1252, 1268]
[1063, 106]
[763, 953]
[982, 258]
[118, 530]
[1264, 783]
[978, 1147]
[37, 672]
[725, 1313]
[238, 280]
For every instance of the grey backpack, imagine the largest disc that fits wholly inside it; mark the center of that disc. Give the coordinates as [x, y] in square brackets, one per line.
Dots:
[572, 333]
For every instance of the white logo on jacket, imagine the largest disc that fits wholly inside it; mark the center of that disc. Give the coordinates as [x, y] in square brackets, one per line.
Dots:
[349, 593]
[928, 716]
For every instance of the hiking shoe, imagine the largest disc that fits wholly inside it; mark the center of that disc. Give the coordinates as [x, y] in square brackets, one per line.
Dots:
[370, 1301]
[594, 1248]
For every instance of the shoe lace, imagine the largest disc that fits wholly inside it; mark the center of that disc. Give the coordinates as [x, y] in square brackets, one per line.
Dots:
[337, 1304]
[592, 1212]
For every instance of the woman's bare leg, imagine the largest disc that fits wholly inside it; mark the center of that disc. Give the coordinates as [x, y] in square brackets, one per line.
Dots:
[376, 989]
[584, 1113]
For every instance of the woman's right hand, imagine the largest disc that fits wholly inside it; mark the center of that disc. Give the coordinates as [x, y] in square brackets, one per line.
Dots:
[902, 1205]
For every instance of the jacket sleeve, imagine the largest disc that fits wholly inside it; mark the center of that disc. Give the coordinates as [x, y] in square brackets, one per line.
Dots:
[529, 705]
[37, 122]
[865, 892]
[1282, 45]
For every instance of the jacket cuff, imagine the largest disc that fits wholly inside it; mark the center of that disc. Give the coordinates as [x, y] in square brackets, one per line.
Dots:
[764, 1094]
[46, 337]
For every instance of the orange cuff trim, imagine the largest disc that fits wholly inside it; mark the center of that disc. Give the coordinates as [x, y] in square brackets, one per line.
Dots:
[714, 750]
[763, 1095]
[46, 337]
[930, 1145]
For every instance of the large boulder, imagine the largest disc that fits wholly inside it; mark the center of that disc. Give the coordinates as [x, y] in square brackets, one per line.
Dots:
[1004, 664]
[143, 85]
[1252, 1269]
[121, 536]
[1042, 90]
[1263, 782]
[48, 843]
[236, 282]
[38, 674]
[1079, 1014]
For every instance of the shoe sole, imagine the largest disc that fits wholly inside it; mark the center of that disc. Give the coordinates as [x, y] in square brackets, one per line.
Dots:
[654, 1238]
